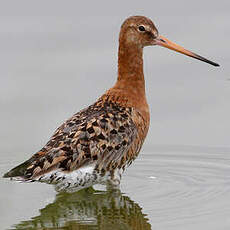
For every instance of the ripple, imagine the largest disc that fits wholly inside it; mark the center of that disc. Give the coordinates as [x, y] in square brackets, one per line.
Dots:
[183, 182]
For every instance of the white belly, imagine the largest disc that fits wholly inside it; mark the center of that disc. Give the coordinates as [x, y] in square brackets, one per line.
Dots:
[73, 181]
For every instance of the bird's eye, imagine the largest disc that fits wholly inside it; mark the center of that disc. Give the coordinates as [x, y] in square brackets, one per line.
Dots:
[141, 28]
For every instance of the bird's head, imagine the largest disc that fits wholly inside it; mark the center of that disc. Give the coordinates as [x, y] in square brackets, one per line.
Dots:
[140, 31]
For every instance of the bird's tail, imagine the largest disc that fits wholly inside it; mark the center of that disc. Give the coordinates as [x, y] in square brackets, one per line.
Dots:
[18, 171]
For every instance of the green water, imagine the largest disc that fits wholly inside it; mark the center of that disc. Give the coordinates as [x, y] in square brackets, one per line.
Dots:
[89, 210]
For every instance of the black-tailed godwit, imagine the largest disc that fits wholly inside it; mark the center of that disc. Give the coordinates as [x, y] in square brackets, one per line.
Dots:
[97, 144]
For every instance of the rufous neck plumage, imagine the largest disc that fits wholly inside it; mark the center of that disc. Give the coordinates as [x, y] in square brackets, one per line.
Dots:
[130, 67]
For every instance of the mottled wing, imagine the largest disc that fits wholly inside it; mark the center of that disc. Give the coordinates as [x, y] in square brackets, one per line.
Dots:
[101, 134]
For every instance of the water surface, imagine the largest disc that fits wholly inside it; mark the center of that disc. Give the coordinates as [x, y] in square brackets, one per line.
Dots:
[58, 57]
[171, 187]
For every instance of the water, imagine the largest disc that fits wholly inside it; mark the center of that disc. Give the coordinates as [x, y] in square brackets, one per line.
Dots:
[56, 58]
[171, 187]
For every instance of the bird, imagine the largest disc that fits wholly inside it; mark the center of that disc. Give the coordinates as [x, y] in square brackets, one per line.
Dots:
[98, 143]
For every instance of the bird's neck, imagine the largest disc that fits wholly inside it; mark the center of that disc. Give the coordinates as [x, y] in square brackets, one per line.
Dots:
[130, 62]
[130, 68]
[129, 90]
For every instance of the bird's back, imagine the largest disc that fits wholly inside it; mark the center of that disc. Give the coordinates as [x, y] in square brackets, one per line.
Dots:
[96, 143]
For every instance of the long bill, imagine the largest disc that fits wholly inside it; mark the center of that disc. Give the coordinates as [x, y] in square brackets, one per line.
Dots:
[162, 41]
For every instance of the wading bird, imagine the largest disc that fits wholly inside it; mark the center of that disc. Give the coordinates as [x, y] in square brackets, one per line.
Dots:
[97, 144]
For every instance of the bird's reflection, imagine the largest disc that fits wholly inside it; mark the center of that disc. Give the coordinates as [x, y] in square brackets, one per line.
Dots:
[89, 209]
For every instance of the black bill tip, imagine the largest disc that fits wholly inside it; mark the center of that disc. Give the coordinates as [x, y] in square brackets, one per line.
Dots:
[204, 59]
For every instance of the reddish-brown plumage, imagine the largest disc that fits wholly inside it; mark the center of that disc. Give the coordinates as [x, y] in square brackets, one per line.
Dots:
[129, 90]
[99, 142]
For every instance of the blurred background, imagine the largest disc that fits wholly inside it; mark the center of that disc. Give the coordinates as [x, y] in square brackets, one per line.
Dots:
[57, 57]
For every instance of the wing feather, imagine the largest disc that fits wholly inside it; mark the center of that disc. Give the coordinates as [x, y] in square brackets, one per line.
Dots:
[100, 134]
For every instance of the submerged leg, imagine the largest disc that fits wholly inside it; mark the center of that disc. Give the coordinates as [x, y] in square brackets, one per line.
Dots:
[113, 183]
